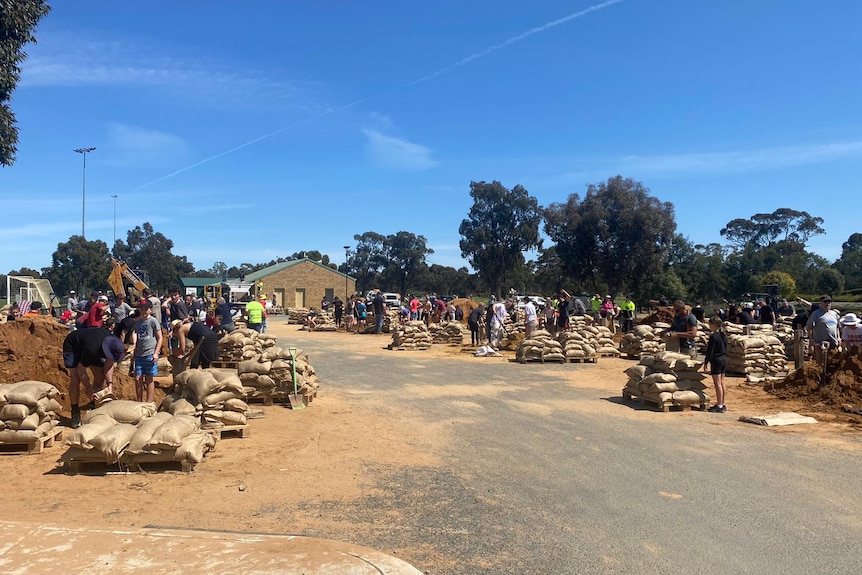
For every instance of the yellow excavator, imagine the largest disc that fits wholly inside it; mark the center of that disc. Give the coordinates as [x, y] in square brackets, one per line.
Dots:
[124, 281]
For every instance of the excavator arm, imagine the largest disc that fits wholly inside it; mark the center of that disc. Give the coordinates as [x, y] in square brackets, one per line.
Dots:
[122, 277]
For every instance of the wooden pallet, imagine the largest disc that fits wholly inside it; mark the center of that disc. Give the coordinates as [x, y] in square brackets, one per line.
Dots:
[593, 359]
[241, 431]
[84, 467]
[409, 348]
[608, 355]
[34, 447]
[224, 364]
[543, 360]
[664, 406]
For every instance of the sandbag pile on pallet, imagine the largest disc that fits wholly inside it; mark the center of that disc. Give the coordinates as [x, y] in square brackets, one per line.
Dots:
[28, 411]
[576, 345]
[758, 355]
[243, 344]
[667, 378]
[601, 339]
[540, 346]
[411, 335]
[324, 321]
[390, 318]
[451, 332]
[297, 314]
[643, 340]
[270, 374]
[122, 431]
[214, 396]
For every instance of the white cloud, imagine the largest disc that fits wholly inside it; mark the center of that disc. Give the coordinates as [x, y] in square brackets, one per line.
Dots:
[722, 162]
[135, 145]
[397, 154]
[62, 61]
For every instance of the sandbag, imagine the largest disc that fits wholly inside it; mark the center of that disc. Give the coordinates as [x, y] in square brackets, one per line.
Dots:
[144, 432]
[81, 437]
[251, 366]
[48, 405]
[15, 411]
[660, 377]
[30, 392]
[660, 386]
[31, 422]
[6, 388]
[172, 432]
[216, 399]
[113, 441]
[201, 384]
[636, 371]
[194, 446]
[688, 397]
[236, 404]
[183, 406]
[123, 411]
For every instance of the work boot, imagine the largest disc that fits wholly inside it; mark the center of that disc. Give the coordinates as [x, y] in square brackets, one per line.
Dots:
[76, 417]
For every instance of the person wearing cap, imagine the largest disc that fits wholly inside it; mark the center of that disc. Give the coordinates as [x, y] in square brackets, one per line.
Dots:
[147, 341]
[35, 309]
[98, 309]
[606, 312]
[851, 331]
[595, 306]
[683, 331]
[96, 349]
[204, 339]
[72, 301]
[627, 313]
[822, 327]
[744, 315]
[255, 313]
[224, 317]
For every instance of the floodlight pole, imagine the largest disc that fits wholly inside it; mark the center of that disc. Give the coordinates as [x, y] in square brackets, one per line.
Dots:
[115, 221]
[83, 152]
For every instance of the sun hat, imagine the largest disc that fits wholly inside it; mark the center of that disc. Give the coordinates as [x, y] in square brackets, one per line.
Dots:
[113, 348]
[850, 319]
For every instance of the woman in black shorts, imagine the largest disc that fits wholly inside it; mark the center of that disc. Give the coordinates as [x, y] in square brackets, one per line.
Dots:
[716, 358]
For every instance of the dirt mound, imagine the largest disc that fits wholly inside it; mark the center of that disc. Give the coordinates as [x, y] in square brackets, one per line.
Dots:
[664, 315]
[32, 348]
[841, 385]
[466, 305]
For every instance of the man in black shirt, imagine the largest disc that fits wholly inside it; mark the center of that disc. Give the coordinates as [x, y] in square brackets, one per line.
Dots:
[767, 314]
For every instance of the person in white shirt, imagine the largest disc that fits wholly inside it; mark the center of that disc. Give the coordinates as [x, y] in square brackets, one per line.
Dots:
[498, 318]
[531, 319]
[851, 331]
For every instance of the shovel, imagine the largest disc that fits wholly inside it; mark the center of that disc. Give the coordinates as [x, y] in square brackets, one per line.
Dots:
[825, 348]
[296, 401]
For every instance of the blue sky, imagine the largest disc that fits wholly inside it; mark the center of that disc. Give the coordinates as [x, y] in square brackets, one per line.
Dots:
[244, 134]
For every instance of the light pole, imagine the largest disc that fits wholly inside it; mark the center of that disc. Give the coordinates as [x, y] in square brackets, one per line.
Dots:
[115, 221]
[84, 152]
[346, 254]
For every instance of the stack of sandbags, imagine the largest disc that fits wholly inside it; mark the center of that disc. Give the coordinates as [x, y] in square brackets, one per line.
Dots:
[28, 411]
[216, 397]
[297, 314]
[411, 335]
[323, 321]
[540, 346]
[270, 374]
[601, 339]
[643, 340]
[667, 378]
[107, 431]
[390, 318]
[243, 344]
[576, 345]
[447, 332]
[759, 355]
[158, 437]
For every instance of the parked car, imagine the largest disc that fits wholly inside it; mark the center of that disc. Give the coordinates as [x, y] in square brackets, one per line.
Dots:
[389, 298]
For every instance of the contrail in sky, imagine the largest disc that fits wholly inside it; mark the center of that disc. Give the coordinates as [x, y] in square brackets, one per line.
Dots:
[440, 72]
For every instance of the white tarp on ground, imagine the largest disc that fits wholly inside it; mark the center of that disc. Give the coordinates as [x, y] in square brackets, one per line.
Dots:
[783, 418]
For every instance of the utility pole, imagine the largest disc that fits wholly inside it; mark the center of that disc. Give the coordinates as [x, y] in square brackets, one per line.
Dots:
[115, 221]
[84, 152]
[346, 255]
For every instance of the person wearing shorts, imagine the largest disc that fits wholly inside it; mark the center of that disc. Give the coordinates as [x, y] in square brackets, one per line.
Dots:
[96, 349]
[147, 339]
[716, 359]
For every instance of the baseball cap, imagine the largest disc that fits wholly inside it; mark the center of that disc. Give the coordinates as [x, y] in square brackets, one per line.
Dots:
[103, 298]
[145, 303]
[826, 298]
[35, 305]
[72, 291]
[113, 348]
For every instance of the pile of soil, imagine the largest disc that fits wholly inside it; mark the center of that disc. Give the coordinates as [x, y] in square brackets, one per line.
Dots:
[32, 348]
[664, 315]
[842, 384]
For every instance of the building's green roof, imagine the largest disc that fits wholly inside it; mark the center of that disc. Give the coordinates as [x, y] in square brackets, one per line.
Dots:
[199, 282]
[269, 270]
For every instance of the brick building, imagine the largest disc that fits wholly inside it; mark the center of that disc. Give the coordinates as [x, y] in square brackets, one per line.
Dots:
[297, 283]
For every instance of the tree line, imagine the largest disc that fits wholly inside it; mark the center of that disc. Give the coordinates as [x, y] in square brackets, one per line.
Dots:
[616, 238]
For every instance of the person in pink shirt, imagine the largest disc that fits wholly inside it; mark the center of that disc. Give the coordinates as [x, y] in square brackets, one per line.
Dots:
[414, 308]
